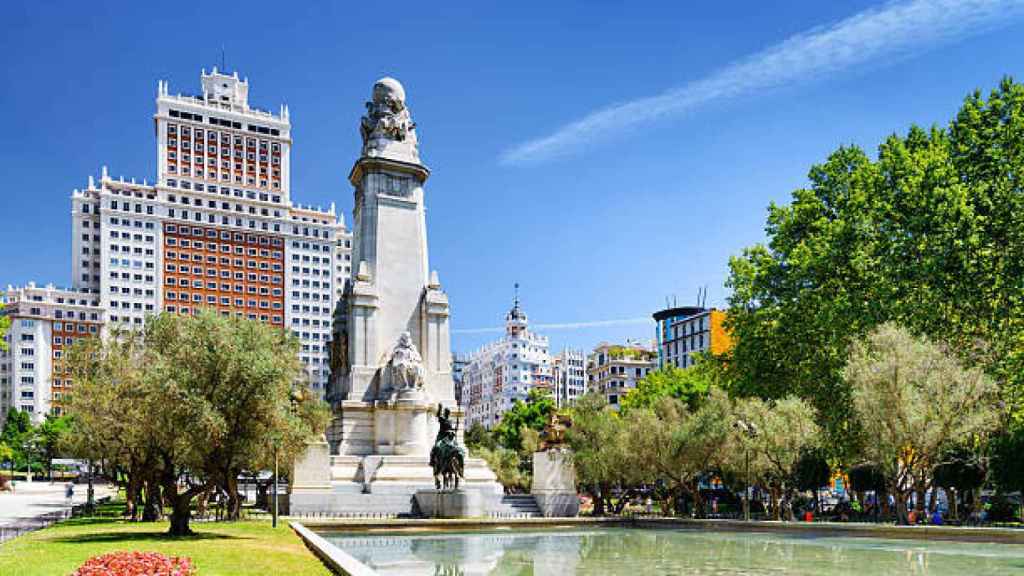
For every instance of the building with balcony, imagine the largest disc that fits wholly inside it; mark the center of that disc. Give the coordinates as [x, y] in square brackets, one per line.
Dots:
[614, 369]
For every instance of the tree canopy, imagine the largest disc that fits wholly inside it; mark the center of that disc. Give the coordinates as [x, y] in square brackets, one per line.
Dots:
[193, 400]
[929, 235]
[914, 403]
[689, 385]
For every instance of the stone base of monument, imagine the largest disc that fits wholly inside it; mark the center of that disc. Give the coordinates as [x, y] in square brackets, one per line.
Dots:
[433, 503]
[377, 485]
[554, 483]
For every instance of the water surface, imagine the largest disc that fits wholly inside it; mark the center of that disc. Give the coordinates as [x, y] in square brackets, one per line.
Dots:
[643, 552]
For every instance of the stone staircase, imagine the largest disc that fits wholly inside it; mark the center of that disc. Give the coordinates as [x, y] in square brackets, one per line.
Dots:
[517, 506]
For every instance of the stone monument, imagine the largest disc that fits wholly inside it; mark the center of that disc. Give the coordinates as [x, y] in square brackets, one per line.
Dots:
[391, 349]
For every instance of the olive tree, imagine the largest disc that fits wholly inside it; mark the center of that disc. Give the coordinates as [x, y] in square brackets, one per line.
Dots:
[771, 438]
[914, 402]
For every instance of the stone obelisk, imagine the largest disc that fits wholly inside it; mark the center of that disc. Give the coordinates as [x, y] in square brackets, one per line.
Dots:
[391, 349]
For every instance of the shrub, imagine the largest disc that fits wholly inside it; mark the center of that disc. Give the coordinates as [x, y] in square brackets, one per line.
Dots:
[136, 564]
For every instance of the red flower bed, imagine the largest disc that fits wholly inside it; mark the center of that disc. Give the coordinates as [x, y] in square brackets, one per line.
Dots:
[136, 564]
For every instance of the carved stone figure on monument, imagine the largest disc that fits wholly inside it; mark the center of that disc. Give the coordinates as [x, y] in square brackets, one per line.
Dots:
[388, 120]
[553, 436]
[405, 369]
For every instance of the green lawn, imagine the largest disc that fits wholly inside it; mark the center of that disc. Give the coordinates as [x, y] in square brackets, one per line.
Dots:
[246, 547]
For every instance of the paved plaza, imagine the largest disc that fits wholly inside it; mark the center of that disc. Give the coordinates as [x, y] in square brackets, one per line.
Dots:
[30, 500]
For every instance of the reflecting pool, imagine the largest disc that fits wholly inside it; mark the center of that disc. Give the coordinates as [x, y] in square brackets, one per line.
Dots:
[640, 552]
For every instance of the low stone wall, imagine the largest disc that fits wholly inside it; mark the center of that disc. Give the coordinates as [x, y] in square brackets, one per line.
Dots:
[952, 533]
[333, 557]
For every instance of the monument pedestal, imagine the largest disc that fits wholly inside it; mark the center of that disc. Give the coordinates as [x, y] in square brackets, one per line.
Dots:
[459, 503]
[554, 483]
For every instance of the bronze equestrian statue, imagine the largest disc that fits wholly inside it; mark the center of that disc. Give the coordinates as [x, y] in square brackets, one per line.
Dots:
[447, 458]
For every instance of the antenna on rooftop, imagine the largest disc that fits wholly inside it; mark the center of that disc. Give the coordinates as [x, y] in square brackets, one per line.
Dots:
[223, 68]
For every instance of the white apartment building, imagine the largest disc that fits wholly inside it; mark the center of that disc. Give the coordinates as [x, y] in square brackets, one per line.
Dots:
[44, 321]
[499, 373]
[614, 369]
[217, 229]
[569, 376]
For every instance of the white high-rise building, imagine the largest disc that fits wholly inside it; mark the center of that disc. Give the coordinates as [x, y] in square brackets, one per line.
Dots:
[44, 322]
[504, 371]
[569, 371]
[217, 229]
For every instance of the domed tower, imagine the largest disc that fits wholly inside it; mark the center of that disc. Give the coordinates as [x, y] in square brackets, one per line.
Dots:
[515, 321]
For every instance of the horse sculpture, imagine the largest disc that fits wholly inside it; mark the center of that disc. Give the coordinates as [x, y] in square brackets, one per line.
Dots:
[447, 458]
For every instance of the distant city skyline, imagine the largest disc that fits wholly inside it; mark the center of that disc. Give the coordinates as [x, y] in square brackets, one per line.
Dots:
[645, 201]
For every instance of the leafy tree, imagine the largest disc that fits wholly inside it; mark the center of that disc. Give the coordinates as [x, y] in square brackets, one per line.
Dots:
[532, 414]
[20, 436]
[783, 431]
[109, 418]
[812, 472]
[506, 465]
[868, 478]
[602, 454]
[52, 436]
[671, 444]
[477, 436]
[1007, 464]
[914, 402]
[961, 469]
[929, 235]
[206, 397]
[690, 385]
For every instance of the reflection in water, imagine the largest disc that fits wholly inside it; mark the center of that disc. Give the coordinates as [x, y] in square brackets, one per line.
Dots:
[641, 552]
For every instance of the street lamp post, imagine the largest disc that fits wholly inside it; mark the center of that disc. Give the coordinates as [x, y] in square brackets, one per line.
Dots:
[749, 429]
[274, 522]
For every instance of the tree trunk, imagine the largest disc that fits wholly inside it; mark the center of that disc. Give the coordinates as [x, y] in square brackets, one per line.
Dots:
[131, 497]
[776, 503]
[698, 502]
[234, 504]
[180, 516]
[598, 501]
[787, 510]
[153, 508]
[181, 511]
[953, 511]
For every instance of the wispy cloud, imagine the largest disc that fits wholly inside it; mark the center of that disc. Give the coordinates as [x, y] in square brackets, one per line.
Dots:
[891, 30]
[563, 325]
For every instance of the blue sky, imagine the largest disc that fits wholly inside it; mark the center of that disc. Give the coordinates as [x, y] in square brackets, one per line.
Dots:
[605, 155]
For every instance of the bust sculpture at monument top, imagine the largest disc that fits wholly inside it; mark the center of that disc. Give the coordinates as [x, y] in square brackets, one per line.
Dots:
[387, 128]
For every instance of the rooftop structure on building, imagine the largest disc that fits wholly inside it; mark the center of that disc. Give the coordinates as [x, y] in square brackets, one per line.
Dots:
[504, 371]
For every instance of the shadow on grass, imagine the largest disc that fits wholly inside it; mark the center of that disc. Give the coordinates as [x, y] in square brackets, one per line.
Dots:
[130, 536]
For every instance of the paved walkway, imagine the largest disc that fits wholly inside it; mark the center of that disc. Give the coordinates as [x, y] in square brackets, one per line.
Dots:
[34, 499]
